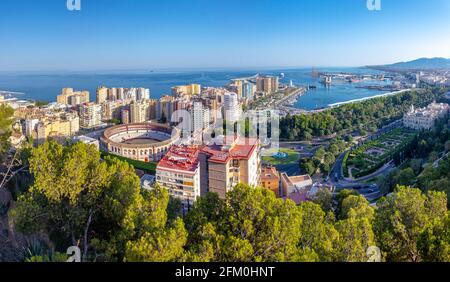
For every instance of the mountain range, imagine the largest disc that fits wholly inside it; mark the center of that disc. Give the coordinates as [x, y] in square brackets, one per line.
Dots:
[419, 64]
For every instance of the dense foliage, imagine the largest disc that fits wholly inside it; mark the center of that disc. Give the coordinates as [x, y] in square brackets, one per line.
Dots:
[425, 163]
[366, 115]
[76, 199]
[6, 113]
[323, 159]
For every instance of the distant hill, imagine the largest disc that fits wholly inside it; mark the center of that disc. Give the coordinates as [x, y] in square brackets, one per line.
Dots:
[419, 64]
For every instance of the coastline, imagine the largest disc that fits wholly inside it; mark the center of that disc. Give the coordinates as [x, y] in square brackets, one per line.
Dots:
[367, 98]
[296, 111]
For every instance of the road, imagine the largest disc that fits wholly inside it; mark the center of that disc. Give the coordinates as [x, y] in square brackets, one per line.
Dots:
[336, 176]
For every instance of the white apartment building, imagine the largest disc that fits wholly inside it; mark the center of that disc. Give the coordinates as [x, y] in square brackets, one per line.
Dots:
[143, 94]
[231, 107]
[425, 118]
[90, 115]
[179, 173]
[200, 116]
[139, 112]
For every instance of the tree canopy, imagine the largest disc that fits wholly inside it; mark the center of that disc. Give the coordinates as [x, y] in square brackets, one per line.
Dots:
[79, 199]
[6, 114]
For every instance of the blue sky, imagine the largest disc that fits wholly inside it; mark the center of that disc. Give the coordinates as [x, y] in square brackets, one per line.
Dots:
[151, 34]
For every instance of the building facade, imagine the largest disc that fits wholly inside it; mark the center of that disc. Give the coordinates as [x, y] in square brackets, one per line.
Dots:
[73, 98]
[146, 142]
[90, 115]
[270, 179]
[179, 173]
[236, 161]
[189, 90]
[231, 107]
[200, 116]
[425, 118]
[267, 84]
[139, 111]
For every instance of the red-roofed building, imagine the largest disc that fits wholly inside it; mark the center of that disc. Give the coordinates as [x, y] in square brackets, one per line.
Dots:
[189, 172]
[224, 166]
[179, 172]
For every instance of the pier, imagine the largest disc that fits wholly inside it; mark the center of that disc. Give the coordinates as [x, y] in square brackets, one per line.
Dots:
[294, 95]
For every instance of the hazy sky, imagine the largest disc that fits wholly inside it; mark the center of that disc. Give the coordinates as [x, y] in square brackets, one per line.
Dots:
[151, 34]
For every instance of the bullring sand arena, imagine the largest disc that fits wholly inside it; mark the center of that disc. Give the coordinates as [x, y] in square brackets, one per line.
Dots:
[147, 142]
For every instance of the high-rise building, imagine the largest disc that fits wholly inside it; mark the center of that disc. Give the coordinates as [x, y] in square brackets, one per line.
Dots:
[102, 94]
[267, 84]
[143, 94]
[120, 94]
[125, 117]
[224, 166]
[74, 98]
[139, 112]
[112, 94]
[165, 108]
[113, 109]
[200, 116]
[212, 105]
[152, 108]
[248, 90]
[237, 85]
[131, 94]
[90, 115]
[231, 107]
[179, 173]
[189, 90]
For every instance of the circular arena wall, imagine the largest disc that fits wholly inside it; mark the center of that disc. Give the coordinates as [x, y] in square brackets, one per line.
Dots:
[147, 142]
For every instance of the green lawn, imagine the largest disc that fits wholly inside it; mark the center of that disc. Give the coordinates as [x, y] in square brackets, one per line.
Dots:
[149, 167]
[292, 157]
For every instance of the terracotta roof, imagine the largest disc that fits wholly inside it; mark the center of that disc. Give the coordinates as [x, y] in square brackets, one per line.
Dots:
[180, 158]
[268, 173]
[299, 180]
[241, 148]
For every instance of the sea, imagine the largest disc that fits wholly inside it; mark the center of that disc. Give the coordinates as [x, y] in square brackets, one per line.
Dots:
[46, 86]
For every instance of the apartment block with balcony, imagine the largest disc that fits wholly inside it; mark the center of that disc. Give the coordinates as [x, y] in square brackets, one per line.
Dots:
[235, 161]
[179, 173]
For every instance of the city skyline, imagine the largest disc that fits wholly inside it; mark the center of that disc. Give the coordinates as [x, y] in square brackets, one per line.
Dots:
[147, 35]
